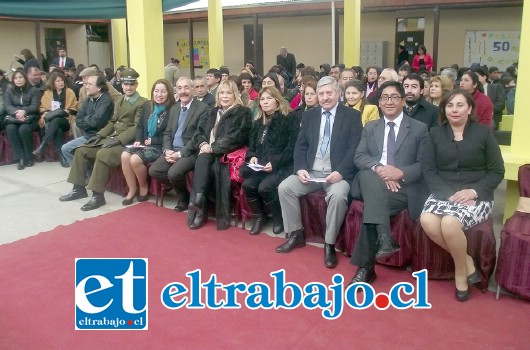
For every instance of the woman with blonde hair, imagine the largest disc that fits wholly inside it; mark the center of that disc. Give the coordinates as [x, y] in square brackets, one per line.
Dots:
[270, 153]
[226, 130]
[355, 96]
[439, 86]
[57, 104]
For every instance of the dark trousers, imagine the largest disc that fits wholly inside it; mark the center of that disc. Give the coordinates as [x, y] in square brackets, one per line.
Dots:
[21, 140]
[258, 184]
[173, 173]
[55, 130]
[379, 204]
[203, 174]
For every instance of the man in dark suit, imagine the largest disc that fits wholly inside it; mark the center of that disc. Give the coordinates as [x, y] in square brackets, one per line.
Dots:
[389, 179]
[64, 62]
[496, 94]
[201, 91]
[288, 61]
[179, 150]
[416, 106]
[323, 159]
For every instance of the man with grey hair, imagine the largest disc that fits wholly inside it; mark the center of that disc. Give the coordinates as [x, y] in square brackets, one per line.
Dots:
[288, 61]
[323, 160]
[450, 73]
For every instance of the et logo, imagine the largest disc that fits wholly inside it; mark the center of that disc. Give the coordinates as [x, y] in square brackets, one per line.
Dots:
[111, 294]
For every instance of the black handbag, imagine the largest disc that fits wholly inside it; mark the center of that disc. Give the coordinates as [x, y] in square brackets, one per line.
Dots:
[58, 113]
[11, 119]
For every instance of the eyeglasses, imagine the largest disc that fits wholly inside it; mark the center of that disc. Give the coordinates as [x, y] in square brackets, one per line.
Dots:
[393, 98]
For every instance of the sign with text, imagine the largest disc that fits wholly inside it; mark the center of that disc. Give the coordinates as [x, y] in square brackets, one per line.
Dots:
[492, 48]
[201, 53]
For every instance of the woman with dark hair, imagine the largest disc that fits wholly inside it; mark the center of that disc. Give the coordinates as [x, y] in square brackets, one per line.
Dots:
[462, 166]
[271, 146]
[484, 107]
[372, 74]
[248, 85]
[226, 130]
[308, 97]
[57, 104]
[22, 111]
[422, 60]
[147, 146]
[28, 61]
[355, 95]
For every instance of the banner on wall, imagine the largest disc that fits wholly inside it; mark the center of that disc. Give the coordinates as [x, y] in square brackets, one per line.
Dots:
[201, 53]
[492, 48]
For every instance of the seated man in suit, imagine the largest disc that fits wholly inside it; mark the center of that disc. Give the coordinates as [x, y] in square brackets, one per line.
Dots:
[62, 61]
[389, 179]
[106, 146]
[179, 148]
[323, 159]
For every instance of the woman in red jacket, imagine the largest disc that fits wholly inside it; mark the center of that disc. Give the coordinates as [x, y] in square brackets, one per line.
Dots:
[422, 60]
[484, 111]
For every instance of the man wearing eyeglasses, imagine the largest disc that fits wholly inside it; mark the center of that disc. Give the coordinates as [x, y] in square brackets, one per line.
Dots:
[389, 178]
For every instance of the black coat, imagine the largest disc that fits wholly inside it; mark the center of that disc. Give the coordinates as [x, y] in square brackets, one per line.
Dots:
[473, 163]
[424, 112]
[16, 98]
[141, 127]
[232, 133]
[279, 142]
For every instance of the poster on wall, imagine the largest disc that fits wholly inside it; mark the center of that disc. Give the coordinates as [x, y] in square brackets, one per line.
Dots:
[492, 48]
[201, 53]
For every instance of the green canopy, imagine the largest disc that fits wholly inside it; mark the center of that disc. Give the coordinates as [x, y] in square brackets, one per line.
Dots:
[74, 9]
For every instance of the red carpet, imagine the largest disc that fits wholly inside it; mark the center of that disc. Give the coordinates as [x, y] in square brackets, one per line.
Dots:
[37, 294]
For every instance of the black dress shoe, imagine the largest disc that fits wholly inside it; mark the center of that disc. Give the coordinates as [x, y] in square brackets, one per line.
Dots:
[330, 255]
[127, 201]
[461, 295]
[277, 229]
[474, 278]
[259, 222]
[29, 163]
[296, 240]
[95, 202]
[76, 193]
[21, 164]
[198, 220]
[143, 198]
[180, 207]
[365, 275]
[387, 246]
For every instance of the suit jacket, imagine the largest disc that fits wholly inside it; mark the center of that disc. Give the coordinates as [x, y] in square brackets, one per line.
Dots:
[410, 143]
[498, 97]
[68, 63]
[197, 115]
[424, 112]
[475, 162]
[209, 99]
[345, 137]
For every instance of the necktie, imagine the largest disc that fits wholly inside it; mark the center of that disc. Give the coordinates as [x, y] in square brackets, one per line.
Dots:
[62, 62]
[390, 144]
[184, 109]
[325, 138]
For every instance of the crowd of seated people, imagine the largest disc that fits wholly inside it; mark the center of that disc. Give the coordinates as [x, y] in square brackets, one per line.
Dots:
[385, 136]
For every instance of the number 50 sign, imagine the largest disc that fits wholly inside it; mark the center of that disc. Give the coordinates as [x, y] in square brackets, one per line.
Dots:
[492, 48]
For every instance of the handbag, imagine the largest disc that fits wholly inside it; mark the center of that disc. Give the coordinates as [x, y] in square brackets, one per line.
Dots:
[235, 160]
[58, 113]
[11, 119]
